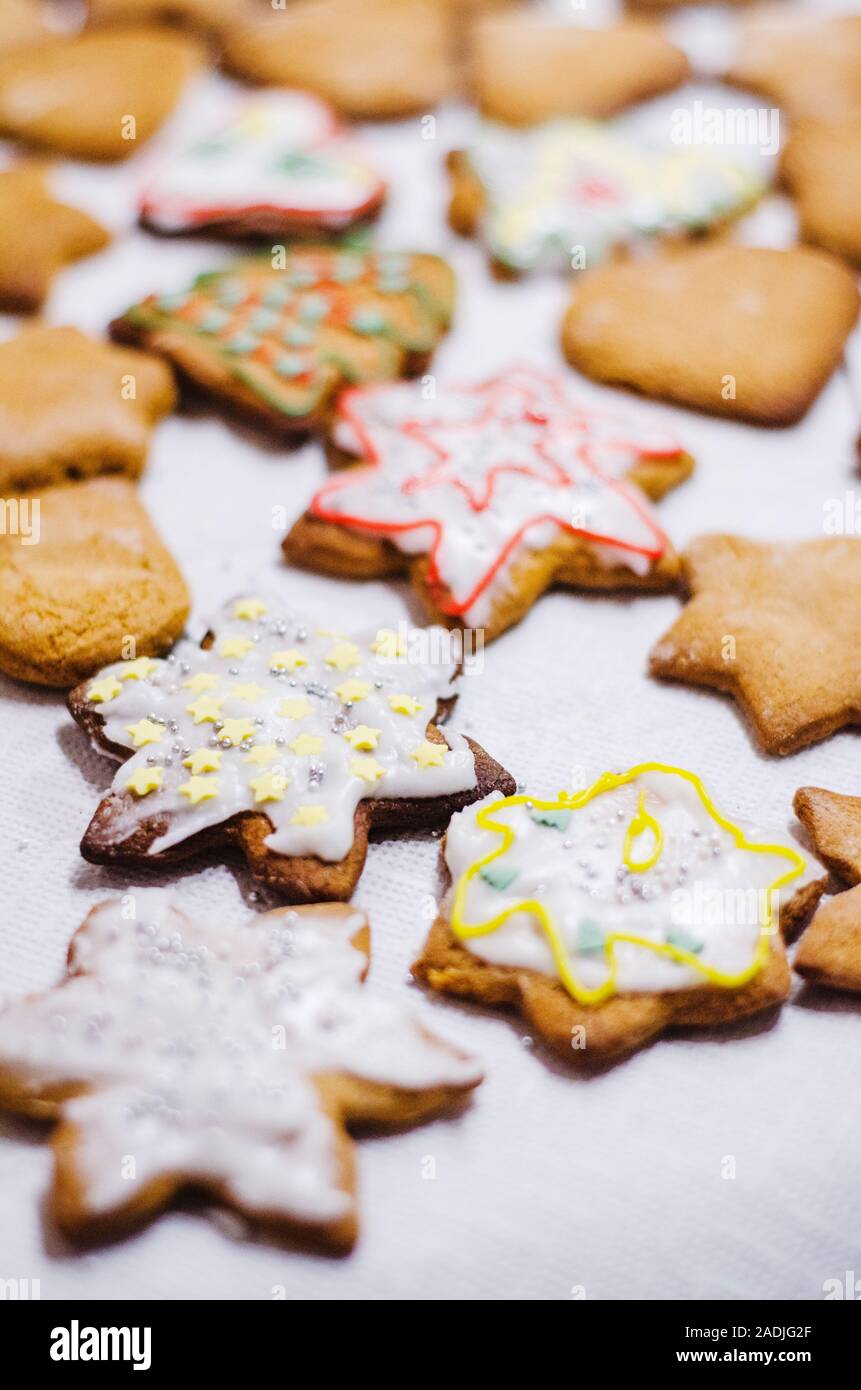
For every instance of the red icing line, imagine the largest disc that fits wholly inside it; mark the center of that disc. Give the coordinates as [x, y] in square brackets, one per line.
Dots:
[435, 475]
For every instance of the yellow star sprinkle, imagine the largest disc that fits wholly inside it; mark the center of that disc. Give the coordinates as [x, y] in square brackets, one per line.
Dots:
[298, 708]
[200, 789]
[343, 655]
[108, 688]
[261, 755]
[389, 643]
[353, 690]
[234, 646]
[145, 731]
[363, 737]
[310, 815]
[306, 744]
[404, 704]
[205, 710]
[137, 670]
[204, 680]
[249, 608]
[203, 760]
[145, 780]
[367, 768]
[269, 786]
[429, 754]
[235, 730]
[249, 692]
[289, 660]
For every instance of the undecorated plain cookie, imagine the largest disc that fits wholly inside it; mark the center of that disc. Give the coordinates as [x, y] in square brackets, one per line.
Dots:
[285, 742]
[821, 165]
[609, 916]
[829, 952]
[525, 69]
[732, 330]
[84, 579]
[257, 1112]
[71, 407]
[98, 95]
[488, 494]
[807, 64]
[833, 824]
[38, 237]
[778, 627]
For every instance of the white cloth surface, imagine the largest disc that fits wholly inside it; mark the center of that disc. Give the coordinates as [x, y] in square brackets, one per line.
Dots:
[548, 1186]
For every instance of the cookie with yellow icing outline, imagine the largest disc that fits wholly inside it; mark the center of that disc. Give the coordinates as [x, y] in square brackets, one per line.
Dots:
[610, 916]
[84, 579]
[285, 743]
[488, 494]
[39, 236]
[821, 164]
[369, 58]
[756, 613]
[256, 1111]
[276, 346]
[78, 96]
[71, 407]
[733, 330]
[525, 68]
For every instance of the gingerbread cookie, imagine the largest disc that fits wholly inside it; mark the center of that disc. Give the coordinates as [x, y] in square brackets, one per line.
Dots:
[572, 192]
[610, 915]
[22, 22]
[84, 580]
[280, 166]
[808, 65]
[526, 68]
[164, 1075]
[276, 346]
[829, 952]
[213, 18]
[71, 407]
[38, 237]
[732, 330]
[97, 95]
[833, 825]
[286, 743]
[776, 626]
[822, 168]
[486, 495]
[369, 58]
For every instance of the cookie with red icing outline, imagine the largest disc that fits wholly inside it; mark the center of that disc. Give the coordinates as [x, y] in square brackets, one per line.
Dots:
[486, 495]
[281, 165]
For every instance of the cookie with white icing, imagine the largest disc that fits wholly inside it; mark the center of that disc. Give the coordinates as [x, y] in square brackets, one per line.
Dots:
[179, 1053]
[282, 741]
[610, 915]
[487, 494]
[280, 166]
[275, 340]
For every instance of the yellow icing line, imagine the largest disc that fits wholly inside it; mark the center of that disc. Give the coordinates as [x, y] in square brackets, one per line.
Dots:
[641, 822]
[572, 801]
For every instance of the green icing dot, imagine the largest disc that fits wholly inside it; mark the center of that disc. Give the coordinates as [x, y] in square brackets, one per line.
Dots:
[170, 303]
[590, 937]
[314, 308]
[683, 941]
[301, 277]
[213, 321]
[289, 364]
[498, 876]
[263, 320]
[368, 321]
[346, 270]
[556, 820]
[277, 297]
[297, 336]
[242, 343]
[393, 284]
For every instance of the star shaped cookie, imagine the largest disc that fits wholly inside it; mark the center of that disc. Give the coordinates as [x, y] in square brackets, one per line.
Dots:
[488, 494]
[733, 330]
[808, 65]
[179, 1053]
[275, 346]
[38, 237]
[279, 166]
[833, 825]
[280, 776]
[829, 952]
[71, 407]
[821, 165]
[774, 626]
[96, 95]
[608, 916]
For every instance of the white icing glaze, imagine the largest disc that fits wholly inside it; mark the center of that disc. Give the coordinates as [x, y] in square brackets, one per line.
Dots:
[283, 151]
[493, 470]
[578, 183]
[704, 893]
[326, 770]
[196, 1046]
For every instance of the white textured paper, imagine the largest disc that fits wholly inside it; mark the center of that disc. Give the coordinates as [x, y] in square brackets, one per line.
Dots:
[548, 1184]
